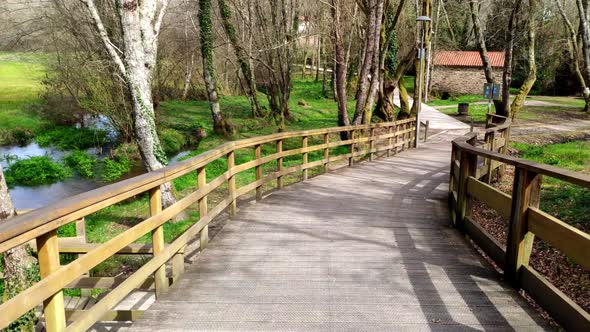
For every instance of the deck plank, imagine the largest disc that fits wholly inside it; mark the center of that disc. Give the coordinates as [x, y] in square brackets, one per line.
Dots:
[367, 248]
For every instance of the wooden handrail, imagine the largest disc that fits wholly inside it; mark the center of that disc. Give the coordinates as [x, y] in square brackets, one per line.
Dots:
[42, 224]
[525, 219]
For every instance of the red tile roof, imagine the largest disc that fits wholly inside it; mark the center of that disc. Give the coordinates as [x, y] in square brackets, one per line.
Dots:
[466, 59]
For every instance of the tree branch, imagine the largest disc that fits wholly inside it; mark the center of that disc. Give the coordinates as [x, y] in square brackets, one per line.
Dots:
[111, 49]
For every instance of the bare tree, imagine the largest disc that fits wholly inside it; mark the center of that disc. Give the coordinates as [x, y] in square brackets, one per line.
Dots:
[340, 65]
[242, 56]
[574, 54]
[502, 106]
[135, 59]
[531, 78]
[276, 25]
[206, 32]
[369, 72]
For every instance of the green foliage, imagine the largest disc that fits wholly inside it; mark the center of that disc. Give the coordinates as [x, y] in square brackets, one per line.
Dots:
[27, 321]
[35, 171]
[83, 162]
[113, 169]
[68, 138]
[392, 50]
[173, 141]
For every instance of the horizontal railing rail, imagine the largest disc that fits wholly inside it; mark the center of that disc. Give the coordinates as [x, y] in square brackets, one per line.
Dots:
[525, 218]
[41, 225]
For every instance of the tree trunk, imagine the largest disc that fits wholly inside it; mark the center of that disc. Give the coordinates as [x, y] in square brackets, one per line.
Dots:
[483, 52]
[584, 33]
[371, 39]
[340, 66]
[528, 83]
[404, 101]
[206, 31]
[188, 77]
[140, 48]
[17, 264]
[574, 54]
[369, 77]
[242, 57]
[140, 60]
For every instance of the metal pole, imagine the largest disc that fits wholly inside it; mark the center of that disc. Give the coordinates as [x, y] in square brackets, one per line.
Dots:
[420, 75]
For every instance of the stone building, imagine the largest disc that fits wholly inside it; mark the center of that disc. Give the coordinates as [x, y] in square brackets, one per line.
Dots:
[461, 72]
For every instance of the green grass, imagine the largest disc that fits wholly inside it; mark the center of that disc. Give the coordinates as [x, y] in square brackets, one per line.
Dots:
[568, 202]
[20, 85]
[456, 100]
[563, 101]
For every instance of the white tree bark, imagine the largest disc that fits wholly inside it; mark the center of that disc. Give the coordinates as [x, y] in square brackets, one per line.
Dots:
[136, 60]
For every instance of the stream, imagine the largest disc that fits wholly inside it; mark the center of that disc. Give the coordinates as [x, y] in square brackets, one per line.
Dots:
[27, 198]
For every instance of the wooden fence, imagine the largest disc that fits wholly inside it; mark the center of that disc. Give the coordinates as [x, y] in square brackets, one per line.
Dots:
[41, 225]
[470, 164]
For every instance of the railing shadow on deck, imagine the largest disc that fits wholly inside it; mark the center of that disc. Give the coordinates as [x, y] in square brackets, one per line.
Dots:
[422, 284]
[472, 168]
[41, 225]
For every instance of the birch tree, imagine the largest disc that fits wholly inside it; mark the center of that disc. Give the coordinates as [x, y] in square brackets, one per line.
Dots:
[135, 59]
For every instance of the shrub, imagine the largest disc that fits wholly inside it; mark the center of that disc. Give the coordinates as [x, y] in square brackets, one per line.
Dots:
[69, 138]
[172, 141]
[113, 169]
[35, 171]
[82, 162]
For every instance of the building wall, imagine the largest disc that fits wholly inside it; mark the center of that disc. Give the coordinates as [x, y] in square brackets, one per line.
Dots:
[460, 80]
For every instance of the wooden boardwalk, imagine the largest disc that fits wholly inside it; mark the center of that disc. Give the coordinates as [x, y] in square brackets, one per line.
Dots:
[367, 248]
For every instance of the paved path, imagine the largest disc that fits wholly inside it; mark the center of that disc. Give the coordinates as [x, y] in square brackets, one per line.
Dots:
[367, 248]
[438, 120]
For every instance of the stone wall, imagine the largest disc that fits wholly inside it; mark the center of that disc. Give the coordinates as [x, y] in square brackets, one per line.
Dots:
[460, 80]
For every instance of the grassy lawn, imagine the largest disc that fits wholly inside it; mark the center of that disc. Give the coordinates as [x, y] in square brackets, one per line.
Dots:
[456, 100]
[20, 84]
[566, 201]
[529, 113]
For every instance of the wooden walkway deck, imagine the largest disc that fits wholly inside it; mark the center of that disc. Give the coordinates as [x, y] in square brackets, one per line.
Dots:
[367, 248]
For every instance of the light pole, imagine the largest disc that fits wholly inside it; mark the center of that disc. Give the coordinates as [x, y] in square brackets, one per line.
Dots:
[422, 20]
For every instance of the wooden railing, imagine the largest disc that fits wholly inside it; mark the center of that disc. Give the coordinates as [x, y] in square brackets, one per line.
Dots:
[41, 225]
[526, 220]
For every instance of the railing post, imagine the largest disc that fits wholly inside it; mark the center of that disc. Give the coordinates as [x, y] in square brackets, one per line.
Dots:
[280, 163]
[326, 153]
[491, 140]
[257, 155]
[468, 167]
[305, 158]
[351, 149]
[525, 194]
[178, 264]
[426, 130]
[395, 138]
[371, 144]
[53, 307]
[389, 140]
[201, 183]
[161, 283]
[504, 150]
[231, 184]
